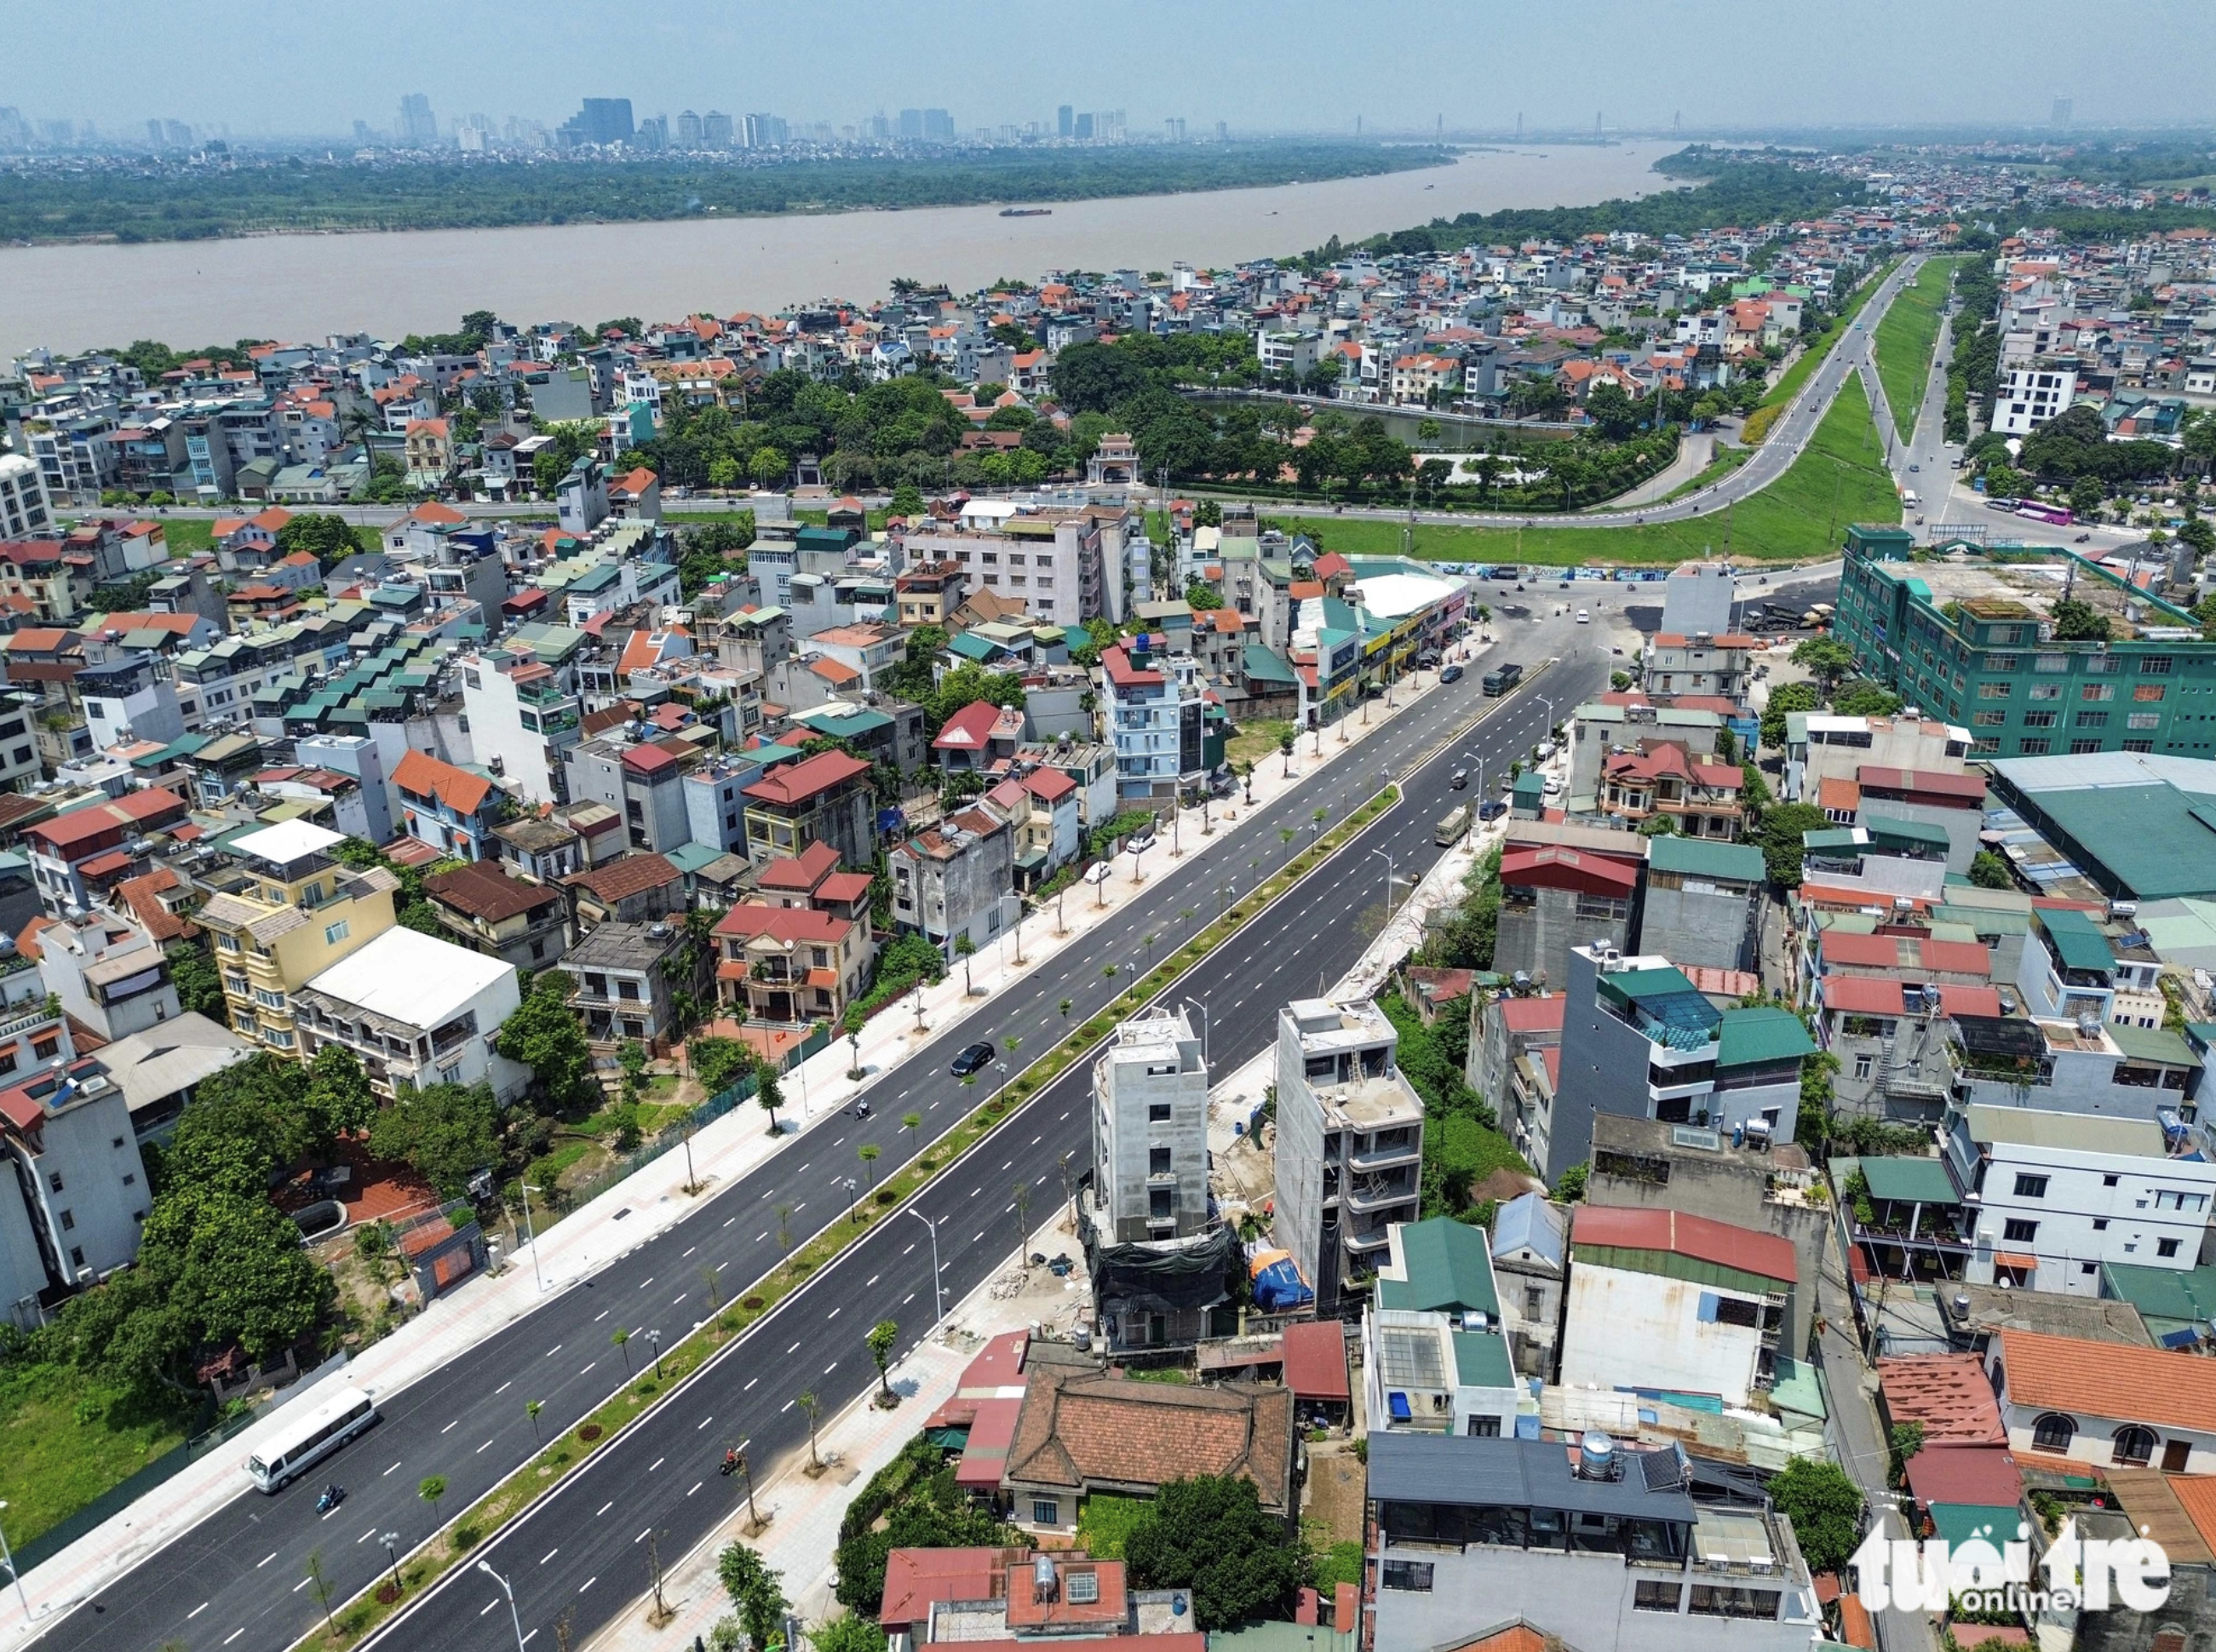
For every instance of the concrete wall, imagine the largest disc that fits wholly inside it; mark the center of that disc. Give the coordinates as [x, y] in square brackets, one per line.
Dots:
[1538, 936]
[1129, 1082]
[1692, 920]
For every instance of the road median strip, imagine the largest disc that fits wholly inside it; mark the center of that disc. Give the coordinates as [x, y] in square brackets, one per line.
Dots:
[369, 1613]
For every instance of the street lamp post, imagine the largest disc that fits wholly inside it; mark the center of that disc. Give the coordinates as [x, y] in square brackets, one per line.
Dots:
[513, 1616]
[653, 1337]
[939, 1289]
[1202, 1006]
[531, 1236]
[8, 1559]
[391, 1542]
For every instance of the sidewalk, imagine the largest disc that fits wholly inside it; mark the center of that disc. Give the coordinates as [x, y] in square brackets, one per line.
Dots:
[650, 1201]
[804, 1512]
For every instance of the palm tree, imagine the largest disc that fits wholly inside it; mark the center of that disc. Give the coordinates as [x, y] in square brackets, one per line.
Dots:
[867, 1152]
[911, 1122]
[964, 949]
[1067, 1004]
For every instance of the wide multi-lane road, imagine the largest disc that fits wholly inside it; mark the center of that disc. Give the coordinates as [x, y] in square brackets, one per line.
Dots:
[238, 1580]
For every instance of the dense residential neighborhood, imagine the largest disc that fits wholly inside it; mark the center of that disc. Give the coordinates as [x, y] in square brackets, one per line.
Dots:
[1559, 1098]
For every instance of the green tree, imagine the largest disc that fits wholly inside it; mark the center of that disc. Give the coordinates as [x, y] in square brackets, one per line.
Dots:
[1209, 1536]
[192, 972]
[2086, 495]
[768, 1095]
[1989, 870]
[544, 1033]
[1826, 1510]
[447, 1133]
[756, 1589]
[1863, 698]
[1824, 657]
[1779, 837]
[326, 537]
[881, 1339]
[850, 1632]
[719, 1063]
[908, 500]
[1785, 699]
[339, 1095]
[1570, 1185]
[2080, 622]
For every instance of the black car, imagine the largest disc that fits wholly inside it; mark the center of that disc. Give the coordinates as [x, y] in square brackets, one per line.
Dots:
[1492, 809]
[1451, 674]
[976, 1057]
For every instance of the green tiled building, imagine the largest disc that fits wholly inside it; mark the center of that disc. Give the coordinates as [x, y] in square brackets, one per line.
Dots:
[1971, 637]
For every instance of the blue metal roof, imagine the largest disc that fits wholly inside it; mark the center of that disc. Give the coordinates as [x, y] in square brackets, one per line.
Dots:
[1529, 1223]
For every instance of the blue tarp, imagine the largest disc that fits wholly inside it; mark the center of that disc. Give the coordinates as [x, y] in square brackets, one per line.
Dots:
[1279, 1288]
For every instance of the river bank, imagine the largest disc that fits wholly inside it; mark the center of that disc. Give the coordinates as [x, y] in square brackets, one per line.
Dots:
[304, 286]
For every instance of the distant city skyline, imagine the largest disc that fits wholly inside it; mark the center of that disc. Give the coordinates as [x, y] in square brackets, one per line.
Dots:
[273, 70]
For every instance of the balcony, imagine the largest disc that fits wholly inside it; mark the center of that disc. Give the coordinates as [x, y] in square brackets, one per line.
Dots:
[1384, 1158]
[1364, 1195]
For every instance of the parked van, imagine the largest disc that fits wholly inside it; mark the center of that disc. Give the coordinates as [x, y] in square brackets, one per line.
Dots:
[1449, 830]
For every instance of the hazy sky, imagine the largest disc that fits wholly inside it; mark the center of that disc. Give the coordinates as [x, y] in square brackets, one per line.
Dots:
[283, 67]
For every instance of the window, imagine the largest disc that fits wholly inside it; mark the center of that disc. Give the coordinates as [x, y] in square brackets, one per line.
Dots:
[2150, 693]
[1158, 1112]
[2083, 747]
[2088, 1269]
[2100, 1224]
[2107, 1181]
[46, 1048]
[2030, 1186]
[1724, 1600]
[1046, 1511]
[1994, 691]
[2096, 691]
[131, 1178]
[2019, 1232]
[1650, 1596]
[267, 1000]
[2155, 664]
[2034, 747]
[1158, 1161]
[2092, 720]
[1864, 1066]
[228, 942]
[2165, 1199]
[54, 1181]
[2134, 1445]
[2104, 665]
[1988, 719]
[1535, 1301]
[2050, 662]
[1413, 1577]
[69, 1220]
[2053, 1432]
[1485, 1428]
[76, 1255]
[2165, 1247]
[334, 933]
[2143, 720]
[2045, 691]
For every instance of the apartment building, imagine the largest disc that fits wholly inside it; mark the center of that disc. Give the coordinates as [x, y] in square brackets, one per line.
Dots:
[525, 715]
[78, 1195]
[1150, 1131]
[96, 844]
[279, 915]
[1435, 1356]
[24, 509]
[1156, 712]
[448, 807]
[1065, 566]
[625, 978]
[1350, 1142]
[825, 798]
[801, 951]
[956, 879]
[2030, 396]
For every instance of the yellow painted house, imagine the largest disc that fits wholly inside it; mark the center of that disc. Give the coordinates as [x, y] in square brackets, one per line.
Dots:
[284, 914]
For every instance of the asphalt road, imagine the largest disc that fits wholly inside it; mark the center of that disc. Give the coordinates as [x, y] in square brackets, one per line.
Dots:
[238, 1582]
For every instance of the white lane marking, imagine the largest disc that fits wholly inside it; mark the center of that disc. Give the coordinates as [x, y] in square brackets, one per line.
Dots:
[587, 1371]
[589, 1582]
[451, 1426]
[550, 1555]
[728, 1223]
[703, 1423]
[503, 1388]
[481, 1450]
[265, 1559]
[656, 1464]
[603, 1314]
[233, 1636]
[388, 1471]
[697, 1484]
[196, 1611]
[751, 1381]
[604, 1508]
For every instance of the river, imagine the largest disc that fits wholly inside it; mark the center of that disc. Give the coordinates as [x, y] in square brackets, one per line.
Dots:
[304, 286]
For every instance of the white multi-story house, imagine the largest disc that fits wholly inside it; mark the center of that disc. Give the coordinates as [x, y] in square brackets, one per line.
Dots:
[24, 509]
[1155, 710]
[2029, 396]
[1435, 1357]
[1350, 1142]
[417, 1011]
[2049, 1197]
[1150, 1131]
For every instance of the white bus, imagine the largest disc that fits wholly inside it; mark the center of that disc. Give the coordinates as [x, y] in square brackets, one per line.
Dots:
[315, 1436]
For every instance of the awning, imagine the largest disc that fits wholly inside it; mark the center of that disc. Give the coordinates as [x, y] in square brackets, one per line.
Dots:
[1031, 860]
[2014, 1259]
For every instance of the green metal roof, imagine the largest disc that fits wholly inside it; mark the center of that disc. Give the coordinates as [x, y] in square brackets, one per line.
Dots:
[1704, 857]
[2183, 1297]
[1882, 827]
[1758, 1036]
[2171, 849]
[843, 722]
[1832, 838]
[1909, 1181]
[2078, 940]
[1959, 1522]
[1634, 983]
[2153, 1044]
[970, 645]
[1481, 1361]
[1265, 666]
[691, 858]
[1450, 1267]
[1530, 783]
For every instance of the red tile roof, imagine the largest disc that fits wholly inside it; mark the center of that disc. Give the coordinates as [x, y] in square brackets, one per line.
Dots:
[620, 879]
[427, 777]
[796, 783]
[1913, 953]
[1693, 1236]
[82, 830]
[2109, 1380]
[1866, 995]
[969, 728]
[1121, 673]
[1535, 1015]
[804, 871]
[1553, 866]
[1965, 1474]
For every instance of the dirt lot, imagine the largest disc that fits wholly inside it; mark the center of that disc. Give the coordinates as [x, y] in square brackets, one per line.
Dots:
[1336, 1479]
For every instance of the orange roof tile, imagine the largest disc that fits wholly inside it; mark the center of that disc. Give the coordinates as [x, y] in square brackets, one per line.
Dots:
[2109, 1380]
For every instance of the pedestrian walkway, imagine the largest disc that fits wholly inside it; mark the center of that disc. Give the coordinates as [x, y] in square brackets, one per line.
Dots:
[647, 1202]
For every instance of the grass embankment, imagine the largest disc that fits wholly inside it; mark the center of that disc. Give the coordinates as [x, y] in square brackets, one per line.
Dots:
[1798, 518]
[1790, 383]
[361, 1616]
[60, 1447]
[1906, 337]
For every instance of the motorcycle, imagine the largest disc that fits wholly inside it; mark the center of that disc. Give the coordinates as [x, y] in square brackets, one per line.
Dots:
[334, 1494]
[730, 1463]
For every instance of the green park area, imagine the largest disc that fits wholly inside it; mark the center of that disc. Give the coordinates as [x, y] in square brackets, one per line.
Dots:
[1905, 338]
[1841, 478]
